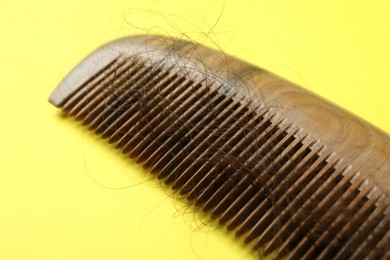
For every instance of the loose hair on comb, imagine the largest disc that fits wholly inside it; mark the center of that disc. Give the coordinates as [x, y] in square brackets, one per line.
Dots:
[297, 176]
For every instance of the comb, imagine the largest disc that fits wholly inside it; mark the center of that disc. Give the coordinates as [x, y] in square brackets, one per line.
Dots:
[296, 176]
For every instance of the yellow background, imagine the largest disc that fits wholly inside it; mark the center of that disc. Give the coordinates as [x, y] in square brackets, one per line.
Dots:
[66, 194]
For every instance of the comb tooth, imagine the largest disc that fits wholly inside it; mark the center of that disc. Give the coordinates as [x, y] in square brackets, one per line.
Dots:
[282, 225]
[243, 200]
[145, 87]
[198, 173]
[122, 85]
[91, 83]
[164, 155]
[112, 87]
[305, 202]
[209, 175]
[233, 136]
[164, 164]
[313, 211]
[337, 223]
[377, 229]
[242, 177]
[278, 226]
[249, 213]
[233, 147]
[274, 219]
[230, 191]
[144, 154]
[358, 229]
[138, 85]
[136, 112]
[179, 128]
[335, 239]
[268, 211]
[210, 135]
[133, 126]
[113, 117]
[214, 141]
[97, 90]
[175, 166]
[381, 251]
[209, 196]
[152, 129]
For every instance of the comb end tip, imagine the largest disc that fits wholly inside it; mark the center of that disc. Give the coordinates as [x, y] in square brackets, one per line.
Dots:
[55, 99]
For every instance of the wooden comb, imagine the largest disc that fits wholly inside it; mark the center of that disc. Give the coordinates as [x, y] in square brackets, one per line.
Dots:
[296, 175]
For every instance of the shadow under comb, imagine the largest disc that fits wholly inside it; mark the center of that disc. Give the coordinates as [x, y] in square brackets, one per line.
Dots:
[296, 175]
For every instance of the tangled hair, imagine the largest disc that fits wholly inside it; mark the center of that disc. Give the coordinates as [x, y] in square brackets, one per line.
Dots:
[263, 156]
